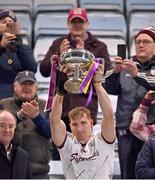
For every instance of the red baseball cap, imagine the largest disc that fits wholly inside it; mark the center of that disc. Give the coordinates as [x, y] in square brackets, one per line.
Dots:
[77, 13]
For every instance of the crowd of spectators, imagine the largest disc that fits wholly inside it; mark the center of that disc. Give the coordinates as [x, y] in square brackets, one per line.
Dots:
[29, 133]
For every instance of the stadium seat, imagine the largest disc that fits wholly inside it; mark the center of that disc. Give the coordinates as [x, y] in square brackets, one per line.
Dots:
[41, 47]
[44, 6]
[139, 6]
[112, 45]
[103, 5]
[50, 25]
[26, 27]
[43, 93]
[24, 6]
[107, 25]
[43, 83]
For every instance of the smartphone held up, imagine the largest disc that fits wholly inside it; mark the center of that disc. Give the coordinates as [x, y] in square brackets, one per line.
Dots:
[121, 51]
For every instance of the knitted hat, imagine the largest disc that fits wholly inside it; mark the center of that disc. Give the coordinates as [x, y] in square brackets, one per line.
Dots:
[77, 13]
[149, 31]
[8, 13]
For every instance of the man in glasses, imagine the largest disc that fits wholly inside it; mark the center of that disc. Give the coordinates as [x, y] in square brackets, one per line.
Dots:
[146, 39]
[123, 82]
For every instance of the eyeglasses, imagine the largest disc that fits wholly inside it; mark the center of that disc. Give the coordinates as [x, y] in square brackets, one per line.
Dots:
[144, 41]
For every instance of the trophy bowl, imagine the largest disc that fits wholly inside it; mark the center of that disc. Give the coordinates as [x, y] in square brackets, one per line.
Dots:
[77, 62]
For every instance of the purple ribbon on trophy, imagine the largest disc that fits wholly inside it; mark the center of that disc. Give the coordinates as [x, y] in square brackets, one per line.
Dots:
[51, 92]
[87, 82]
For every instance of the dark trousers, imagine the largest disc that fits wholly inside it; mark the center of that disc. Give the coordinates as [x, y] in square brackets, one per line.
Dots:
[128, 149]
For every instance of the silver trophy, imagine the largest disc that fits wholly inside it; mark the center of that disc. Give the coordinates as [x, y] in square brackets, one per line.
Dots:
[78, 62]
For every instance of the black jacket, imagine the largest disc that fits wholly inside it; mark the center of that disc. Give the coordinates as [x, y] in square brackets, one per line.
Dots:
[18, 167]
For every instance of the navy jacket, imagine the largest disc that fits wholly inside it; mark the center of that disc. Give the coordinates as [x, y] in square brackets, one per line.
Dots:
[11, 62]
[145, 164]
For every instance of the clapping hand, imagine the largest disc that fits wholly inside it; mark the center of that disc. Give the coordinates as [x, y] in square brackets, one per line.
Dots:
[30, 109]
[64, 46]
[79, 43]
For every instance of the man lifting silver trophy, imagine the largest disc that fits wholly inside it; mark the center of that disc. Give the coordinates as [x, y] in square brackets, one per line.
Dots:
[80, 65]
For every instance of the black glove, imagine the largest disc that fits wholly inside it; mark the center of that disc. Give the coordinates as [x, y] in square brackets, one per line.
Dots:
[61, 79]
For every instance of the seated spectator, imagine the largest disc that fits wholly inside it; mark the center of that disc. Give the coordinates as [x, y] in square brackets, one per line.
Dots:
[33, 130]
[14, 55]
[139, 126]
[14, 161]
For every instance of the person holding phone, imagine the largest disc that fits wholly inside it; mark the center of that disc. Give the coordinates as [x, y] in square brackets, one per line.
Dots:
[130, 94]
[14, 55]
